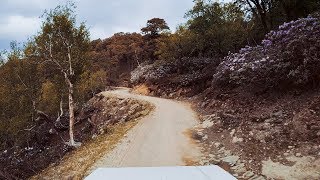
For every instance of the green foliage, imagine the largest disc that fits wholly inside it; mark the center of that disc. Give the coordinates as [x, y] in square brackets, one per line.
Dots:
[212, 30]
[117, 55]
[270, 13]
[91, 84]
[59, 37]
[155, 27]
[32, 76]
[18, 92]
[50, 98]
[217, 28]
[177, 45]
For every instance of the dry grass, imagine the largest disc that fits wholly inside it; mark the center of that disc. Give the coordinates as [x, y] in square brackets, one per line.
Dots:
[189, 133]
[76, 164]
[141, 89]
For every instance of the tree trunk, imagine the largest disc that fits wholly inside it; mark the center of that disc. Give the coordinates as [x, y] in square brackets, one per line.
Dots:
[71, 110]
[261, 13]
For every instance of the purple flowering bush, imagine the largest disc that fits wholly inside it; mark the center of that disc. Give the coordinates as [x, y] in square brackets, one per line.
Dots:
[287, 56]
[179, 71]
[151, 72]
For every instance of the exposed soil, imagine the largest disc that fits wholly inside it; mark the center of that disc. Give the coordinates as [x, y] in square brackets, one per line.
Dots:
[260, 128]
[96, 118]
[253, 133]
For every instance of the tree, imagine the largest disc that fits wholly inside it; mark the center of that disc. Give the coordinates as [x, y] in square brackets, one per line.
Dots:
[272, 13]
[155, 26]
[117, 56]
[215, 28]
[2, 57]
[62, 46]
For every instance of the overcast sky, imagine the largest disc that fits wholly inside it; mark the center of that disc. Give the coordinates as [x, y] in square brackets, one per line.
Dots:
[19, 19]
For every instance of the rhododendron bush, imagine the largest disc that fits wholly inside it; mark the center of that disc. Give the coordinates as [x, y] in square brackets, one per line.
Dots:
[181, 71]
[287, 56]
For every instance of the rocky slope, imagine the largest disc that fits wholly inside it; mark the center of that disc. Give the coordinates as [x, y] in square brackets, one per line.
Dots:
[96, 118]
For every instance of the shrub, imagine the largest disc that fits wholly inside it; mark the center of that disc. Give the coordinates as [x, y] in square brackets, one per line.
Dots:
[288, 56]
[181, 71]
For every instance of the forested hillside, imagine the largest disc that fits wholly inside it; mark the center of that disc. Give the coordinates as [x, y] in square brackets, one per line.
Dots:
[252, 70]
[254, 64]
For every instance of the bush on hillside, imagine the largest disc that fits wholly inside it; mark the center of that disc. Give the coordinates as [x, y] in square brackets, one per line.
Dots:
[179, 71]
[289, 56]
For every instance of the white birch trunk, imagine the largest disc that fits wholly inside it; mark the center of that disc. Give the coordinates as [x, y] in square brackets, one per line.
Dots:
[71, 111]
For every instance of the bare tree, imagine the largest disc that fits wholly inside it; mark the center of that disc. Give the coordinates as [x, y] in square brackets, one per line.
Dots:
[62, 45]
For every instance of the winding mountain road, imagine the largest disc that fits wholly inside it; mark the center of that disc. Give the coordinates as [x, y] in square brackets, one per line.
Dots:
[159, 139]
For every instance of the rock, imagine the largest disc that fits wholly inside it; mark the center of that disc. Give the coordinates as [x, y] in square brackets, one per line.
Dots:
[210, 117]
[134, 107]
[200, 133]
[214, 161]
[315, 127]
[207, 124]
[227, 153]
[258, 178]
[254, 177]
[290, 147]
[172, 95]
[217, 145]
[298, 154]
[266, 125]
[233, 131]
[278, 114]
[205, 162]
[318, 133]
[231, 160]
[270, 120]
[205, 137]
[239, 169]
[236, 139]
[94, 136]
[197, 135]
[204, 104]
[286, 154]
[221, 149]
[51, 131]
[81, 160]
[248, 175]
[211, 156]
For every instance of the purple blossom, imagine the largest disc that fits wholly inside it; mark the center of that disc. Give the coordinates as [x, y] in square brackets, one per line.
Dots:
[290, 54]
[266, 43]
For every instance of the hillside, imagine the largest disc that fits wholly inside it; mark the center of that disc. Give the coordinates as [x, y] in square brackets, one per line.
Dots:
[261, 103]
[249, 69]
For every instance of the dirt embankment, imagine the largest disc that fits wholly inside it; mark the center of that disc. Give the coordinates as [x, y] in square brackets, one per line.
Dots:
[272, 134]
[103, 116]
[259, 136]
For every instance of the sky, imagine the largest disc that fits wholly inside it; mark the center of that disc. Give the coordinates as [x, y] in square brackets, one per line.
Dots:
[20, 19]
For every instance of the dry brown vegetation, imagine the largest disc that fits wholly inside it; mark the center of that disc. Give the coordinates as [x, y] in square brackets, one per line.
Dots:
[77, 164]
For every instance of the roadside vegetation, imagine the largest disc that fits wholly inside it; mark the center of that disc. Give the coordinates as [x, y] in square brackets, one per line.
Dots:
[252, 64]
[253, 73]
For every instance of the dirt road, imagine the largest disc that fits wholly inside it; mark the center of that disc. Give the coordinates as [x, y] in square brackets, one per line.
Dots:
[159, 139]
